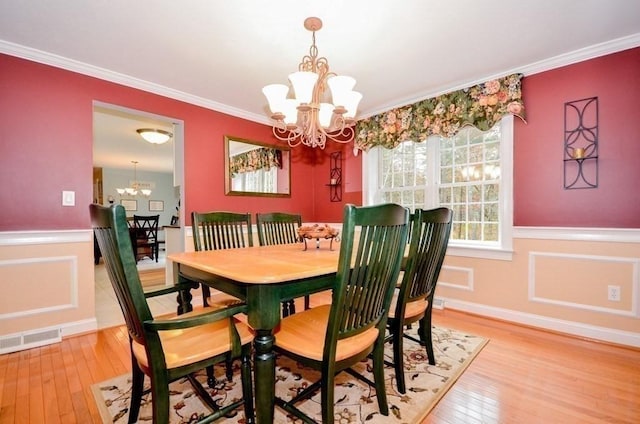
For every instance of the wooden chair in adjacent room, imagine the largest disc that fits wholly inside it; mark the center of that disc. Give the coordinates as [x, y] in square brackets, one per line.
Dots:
[413, 301]
[146, 235]
[332, 338]
[280, 228]
[163, 347]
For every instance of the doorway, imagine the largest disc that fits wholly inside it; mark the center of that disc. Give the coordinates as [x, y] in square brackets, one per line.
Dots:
[116, 145]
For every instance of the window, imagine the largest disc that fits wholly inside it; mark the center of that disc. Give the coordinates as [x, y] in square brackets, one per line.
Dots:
[470, 173]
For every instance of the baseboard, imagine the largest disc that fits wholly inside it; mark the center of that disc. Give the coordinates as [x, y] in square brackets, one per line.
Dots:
[79, 327]
[438, 303]
[626, 338]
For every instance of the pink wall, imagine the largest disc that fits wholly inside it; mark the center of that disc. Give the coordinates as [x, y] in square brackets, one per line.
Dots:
[46, 147]
[327, 211]
[539, 196]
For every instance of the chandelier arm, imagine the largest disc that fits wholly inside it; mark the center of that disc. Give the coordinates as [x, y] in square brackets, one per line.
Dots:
[344, 135]
[284, 134]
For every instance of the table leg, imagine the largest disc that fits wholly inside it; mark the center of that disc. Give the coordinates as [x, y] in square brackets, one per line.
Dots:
[265, 375]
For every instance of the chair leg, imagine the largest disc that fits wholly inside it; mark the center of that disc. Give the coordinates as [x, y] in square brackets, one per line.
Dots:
[398, 358]
[206, 294]
[211, 379]
[327, 395]
[247, 386]
[229, 366]
[425, 336]
[160, 403]
[137, 384]
[378, 375]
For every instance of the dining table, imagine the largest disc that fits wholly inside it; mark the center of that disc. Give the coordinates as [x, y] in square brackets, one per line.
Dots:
[262, 276]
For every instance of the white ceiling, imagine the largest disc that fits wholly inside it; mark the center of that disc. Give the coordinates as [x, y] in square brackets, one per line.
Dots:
[219, 53]
[116, 142]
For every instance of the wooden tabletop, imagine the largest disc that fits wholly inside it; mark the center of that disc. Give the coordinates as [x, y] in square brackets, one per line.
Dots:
[263, 264]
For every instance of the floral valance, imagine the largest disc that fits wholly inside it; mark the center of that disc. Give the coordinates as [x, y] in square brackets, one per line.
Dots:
[481, 106]
[262, 158]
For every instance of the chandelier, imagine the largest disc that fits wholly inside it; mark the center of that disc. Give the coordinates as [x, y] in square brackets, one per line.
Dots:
[135, 188]
[154, 136]
[309, 118]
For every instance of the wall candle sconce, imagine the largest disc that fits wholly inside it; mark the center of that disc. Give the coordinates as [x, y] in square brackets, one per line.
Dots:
[581, 143]
[335, 177]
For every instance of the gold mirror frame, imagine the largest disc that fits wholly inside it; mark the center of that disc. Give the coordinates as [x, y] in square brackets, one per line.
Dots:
[232, 144]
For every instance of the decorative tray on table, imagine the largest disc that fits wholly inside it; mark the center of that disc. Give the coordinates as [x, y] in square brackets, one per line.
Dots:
[317, 231]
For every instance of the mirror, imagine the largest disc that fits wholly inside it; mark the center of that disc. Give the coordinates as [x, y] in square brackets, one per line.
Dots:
[256, 169]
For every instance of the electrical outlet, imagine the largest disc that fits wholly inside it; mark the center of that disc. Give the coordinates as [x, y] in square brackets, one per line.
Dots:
[613, 293]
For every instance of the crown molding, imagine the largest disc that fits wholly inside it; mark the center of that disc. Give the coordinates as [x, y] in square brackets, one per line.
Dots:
[57, 61]
[559, 61]
[122, 79]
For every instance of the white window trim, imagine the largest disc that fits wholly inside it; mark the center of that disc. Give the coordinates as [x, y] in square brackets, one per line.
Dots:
[370, 195]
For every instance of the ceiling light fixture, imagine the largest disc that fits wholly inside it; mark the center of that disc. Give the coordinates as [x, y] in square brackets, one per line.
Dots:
[135, 188]
[155, 136]
[309, 118]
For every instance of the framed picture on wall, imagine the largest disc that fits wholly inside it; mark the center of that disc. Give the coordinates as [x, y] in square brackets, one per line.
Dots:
[129, 205]
[156, 205]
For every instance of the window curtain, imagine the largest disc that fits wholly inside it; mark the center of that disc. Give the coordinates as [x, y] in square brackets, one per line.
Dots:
[254, 160]
[481, 106]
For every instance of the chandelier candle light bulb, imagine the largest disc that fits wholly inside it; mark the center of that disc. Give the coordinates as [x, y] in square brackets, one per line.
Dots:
[306, 118]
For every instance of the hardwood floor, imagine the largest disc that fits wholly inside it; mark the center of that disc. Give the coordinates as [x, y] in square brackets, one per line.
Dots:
[523, 375]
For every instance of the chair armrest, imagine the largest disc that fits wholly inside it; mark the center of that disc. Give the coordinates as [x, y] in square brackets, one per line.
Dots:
[171, 289]
[195, 320]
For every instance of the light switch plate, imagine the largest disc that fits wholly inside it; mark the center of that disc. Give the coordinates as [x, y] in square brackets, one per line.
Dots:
[68, 198]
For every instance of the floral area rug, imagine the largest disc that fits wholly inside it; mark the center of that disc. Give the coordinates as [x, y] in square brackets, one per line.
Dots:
[355, 402]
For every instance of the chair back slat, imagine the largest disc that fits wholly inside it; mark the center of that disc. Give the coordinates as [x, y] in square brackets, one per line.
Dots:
[430, 237]
[221, 230]
[368, 268]
[112, 233]
[278, 228]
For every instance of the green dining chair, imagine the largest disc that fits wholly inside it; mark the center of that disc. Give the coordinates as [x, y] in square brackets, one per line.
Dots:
[332, 338]
[162, 348]
[219, 230]
[413, 301]
[280, 228]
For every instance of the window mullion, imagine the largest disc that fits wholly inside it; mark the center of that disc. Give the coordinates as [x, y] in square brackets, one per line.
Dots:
[432, 195]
